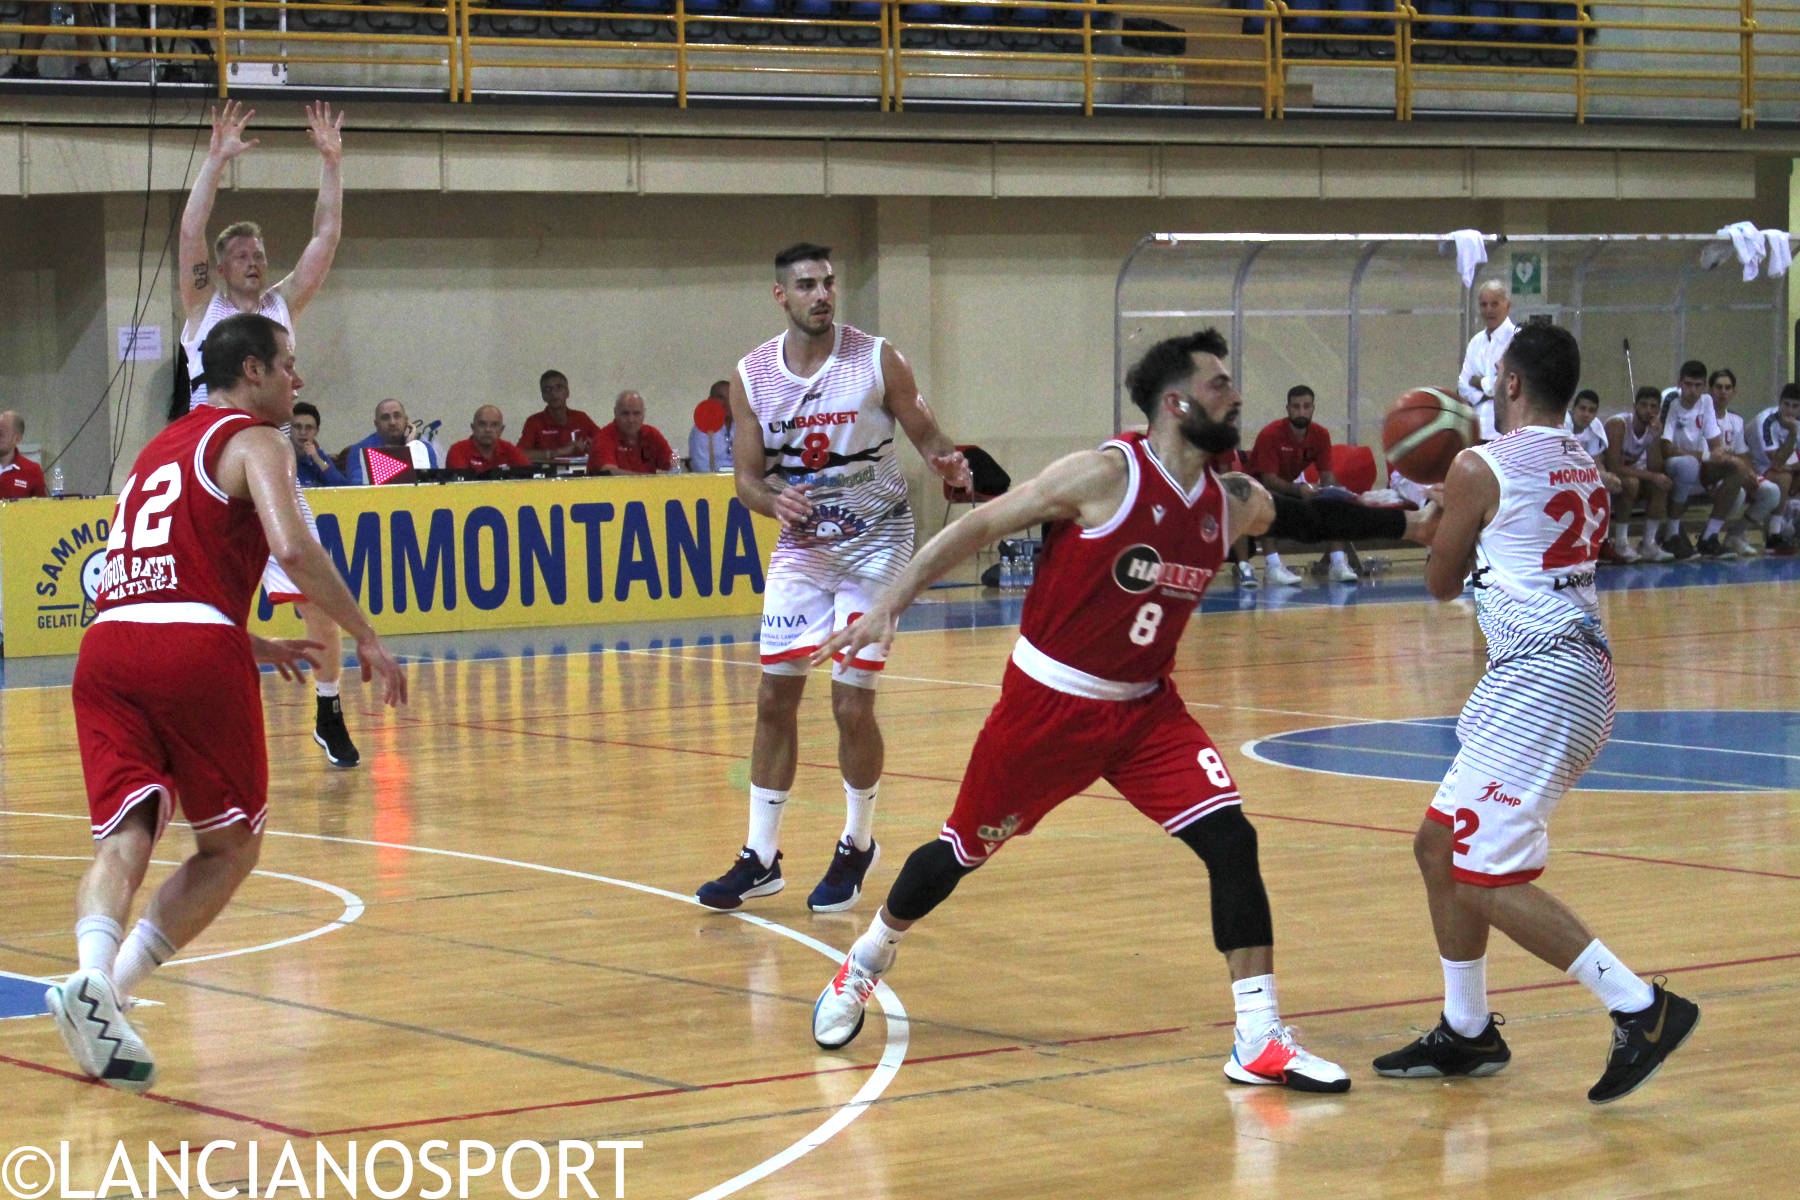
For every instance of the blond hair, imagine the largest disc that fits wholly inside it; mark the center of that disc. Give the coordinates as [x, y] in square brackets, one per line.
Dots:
[236, 229]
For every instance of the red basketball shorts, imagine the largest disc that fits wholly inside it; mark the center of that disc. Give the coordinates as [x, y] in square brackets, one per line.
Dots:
[171, 713]
[1041, 746]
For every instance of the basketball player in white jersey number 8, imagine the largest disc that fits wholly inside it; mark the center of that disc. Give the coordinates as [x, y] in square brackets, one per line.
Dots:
[814, 447]
[233, 278]
[1527, 513]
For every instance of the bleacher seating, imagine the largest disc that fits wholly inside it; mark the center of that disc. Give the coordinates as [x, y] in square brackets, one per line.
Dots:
[1493, 31]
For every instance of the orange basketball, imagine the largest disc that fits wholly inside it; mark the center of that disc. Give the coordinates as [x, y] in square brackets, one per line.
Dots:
[1424, 430]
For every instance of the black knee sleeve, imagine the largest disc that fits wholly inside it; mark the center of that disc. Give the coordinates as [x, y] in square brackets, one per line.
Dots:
[1226, 843]
[931, 873]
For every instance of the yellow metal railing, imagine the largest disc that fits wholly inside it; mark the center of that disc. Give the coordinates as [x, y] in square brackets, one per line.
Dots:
[1653, 58]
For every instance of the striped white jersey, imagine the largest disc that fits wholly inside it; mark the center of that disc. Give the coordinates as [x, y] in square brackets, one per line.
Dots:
[1771, 435]
[833, 432]
[217, 309]
[1689, 429]
[1634, 450]
[1534, 572]
[1592, 439]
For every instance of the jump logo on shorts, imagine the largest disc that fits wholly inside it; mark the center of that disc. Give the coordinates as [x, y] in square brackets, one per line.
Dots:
[1140, 568]
[993, 835]
[1492, 792]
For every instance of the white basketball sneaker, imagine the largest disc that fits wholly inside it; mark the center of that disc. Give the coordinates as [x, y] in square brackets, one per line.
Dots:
[1276, 1060]
[86, 1010]
[838, 1012]
[1280, 576]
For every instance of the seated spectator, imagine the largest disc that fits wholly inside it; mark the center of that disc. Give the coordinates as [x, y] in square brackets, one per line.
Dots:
[628, 446]
[483, 451]
[1762, 498]
[1589, 432]
[392, 433]
[1775, 449]
[19, 476]
[558, 431]
[712, 451]
[1283, 451]
[1634, 454]
[313, 466]
[1695, 457]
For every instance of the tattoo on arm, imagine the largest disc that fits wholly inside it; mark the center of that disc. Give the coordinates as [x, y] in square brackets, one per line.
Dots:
[1237, 486]
[202, 276]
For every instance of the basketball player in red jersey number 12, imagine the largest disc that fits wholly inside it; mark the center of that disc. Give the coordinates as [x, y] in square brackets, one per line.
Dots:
[168, 700]
[1138, 529]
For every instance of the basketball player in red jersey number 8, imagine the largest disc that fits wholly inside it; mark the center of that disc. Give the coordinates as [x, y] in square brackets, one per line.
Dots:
[1139, 527]
[238, 282]
[168, 704]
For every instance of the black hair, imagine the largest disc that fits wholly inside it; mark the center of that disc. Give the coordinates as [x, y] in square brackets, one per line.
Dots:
[800, 252]
[1586, 394]
[1693, 368]
[1300, 389]
[1547, 360]
[1648, 392]
[236, 338]
[304, 408]
[1789, 391]
[1167, 361]
[1727, 372]
[552, 373]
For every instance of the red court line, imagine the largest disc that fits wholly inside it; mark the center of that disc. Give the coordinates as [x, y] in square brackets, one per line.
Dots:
[731, 1083]
[191, 1106]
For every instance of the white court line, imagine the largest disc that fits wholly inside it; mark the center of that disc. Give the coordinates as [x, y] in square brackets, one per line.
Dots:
[353, 905]
[898, 1025]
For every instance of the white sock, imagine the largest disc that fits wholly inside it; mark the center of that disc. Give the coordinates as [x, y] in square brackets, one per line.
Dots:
[325, 690]
[765, 822]
[1272, 561]
[1338, 560]
[145, 950]
[859, 814]
[1257, 1011]
[1465, 995]
[1621, 535]
[97, 943]
[1650, 535]
[1712, 527]
[1777, 526]
[1600, 972]
[875, 950]
[1671, 527]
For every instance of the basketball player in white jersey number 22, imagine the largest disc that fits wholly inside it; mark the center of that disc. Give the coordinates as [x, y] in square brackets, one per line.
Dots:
[814, 447]
[1527, 513]
[238, 282]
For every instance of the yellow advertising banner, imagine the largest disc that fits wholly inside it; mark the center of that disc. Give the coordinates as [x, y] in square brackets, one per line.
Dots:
[433, 558]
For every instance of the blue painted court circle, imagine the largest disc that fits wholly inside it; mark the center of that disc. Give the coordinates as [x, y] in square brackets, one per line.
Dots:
[1661, 750]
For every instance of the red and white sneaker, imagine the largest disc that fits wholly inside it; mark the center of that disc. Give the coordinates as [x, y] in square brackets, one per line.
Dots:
[838, 1012]
[1276, 1060]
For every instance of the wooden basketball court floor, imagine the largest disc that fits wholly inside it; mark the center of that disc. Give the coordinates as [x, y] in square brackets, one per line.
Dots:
[484, 933]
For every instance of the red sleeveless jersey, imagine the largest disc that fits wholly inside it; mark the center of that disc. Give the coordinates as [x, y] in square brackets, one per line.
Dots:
[176, 536]
[1112, 601]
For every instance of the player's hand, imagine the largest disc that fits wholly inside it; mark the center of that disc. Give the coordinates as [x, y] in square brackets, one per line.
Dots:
[326, 133]
[953, 469]
[1791, 424]
[1612, 482]
[792, 506]
[875, 627]
[286, 654]
[377, 660]
[1422, 524]
[228, 124]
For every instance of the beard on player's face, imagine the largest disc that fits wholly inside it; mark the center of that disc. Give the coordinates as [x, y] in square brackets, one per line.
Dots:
[1204, 433]
[1299, 422]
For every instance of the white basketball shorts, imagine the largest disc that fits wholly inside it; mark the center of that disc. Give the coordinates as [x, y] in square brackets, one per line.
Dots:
[1530, 729]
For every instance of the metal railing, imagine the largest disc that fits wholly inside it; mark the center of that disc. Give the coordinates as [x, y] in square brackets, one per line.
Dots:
[1722, 60]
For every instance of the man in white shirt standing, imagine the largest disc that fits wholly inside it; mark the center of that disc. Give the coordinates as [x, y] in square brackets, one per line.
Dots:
[1476, 381]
